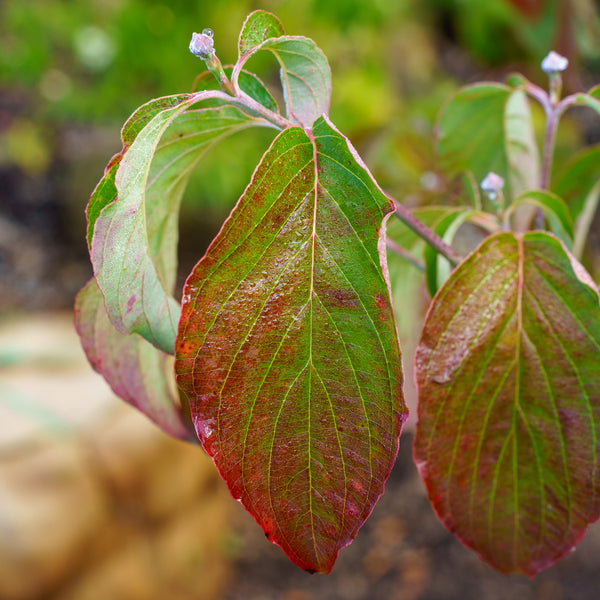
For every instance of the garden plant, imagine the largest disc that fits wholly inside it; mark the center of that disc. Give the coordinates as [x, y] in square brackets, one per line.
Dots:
[286, 354]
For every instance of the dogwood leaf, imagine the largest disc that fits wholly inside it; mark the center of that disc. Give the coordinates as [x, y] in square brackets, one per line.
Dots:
[136, 371]
[508, 434]
[305, 73]
[287, 349]
[135, 235]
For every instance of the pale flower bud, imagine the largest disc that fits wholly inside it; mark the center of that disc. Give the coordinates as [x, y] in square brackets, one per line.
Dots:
[554, 63]
[492, 185]
[202, 44]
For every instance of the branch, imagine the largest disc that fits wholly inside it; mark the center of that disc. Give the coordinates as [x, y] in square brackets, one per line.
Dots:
[432, 238]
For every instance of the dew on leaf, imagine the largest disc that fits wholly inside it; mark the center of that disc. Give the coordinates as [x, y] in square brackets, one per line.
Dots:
[205, 429]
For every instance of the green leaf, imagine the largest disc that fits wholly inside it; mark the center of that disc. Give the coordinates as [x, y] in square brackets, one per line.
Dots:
[585, 220]
[259, 26]
[437, 267]
[136, 371]
[145, 113]
[579, 175]
[591, 100]
[305, 76]
[287, 349]
[508, 431]
[555, 210]
[104, 193]
[135, 236]
[256, 89]
[594, 92]
[487, 127]
[248, 82]
[522, 153]
[578, 183]
[471, 132]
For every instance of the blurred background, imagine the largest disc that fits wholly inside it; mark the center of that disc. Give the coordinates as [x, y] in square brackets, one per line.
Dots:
[94, 501]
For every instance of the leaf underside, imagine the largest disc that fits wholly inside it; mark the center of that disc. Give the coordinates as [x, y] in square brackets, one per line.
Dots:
[136, 371]
[287, 349]
[507, 439]
[133, 247]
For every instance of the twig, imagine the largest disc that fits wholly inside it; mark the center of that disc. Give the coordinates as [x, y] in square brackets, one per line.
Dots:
[432, 238]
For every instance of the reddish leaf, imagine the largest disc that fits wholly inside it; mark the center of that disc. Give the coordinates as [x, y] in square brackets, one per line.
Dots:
[287, 348]
[136, 371]
[508, 371]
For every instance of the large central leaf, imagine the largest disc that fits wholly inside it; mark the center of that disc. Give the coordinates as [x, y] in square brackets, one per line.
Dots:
[287, 348]
[508, 371]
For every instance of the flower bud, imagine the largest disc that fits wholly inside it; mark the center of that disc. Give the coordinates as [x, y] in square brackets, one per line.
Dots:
[554, 63]
[202, 44]
[492, 185]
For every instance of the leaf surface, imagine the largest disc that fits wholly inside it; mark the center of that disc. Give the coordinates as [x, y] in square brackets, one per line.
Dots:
[554, 209]
[287, 349]
[258, 27]
[305, 76]
[579, 185]
[136, 371]
[508, 433]
[488, 127]
[437, 267]
[135, 236]
[577, 178]
[522, 153]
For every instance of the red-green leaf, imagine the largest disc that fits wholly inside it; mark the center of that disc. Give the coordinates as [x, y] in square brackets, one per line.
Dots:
[508, 370]
[135, 236]
[259, 26]
[136, 371]
[287, 349]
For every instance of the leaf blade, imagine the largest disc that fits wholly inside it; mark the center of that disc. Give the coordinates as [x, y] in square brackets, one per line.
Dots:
[553, 208]
[258, 27]
[509, 414]
[134, 240]
[488, 127]
[136, 371]
[305, 76]
[269, 348]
